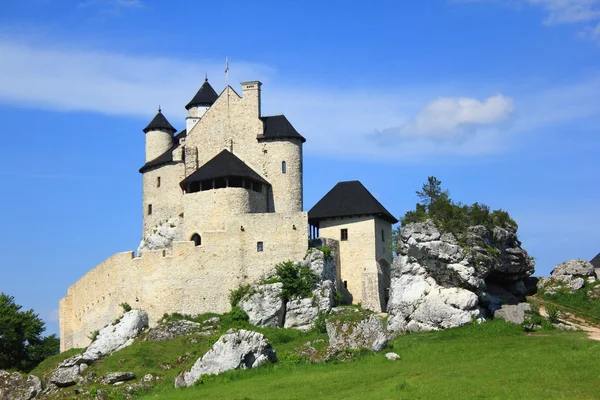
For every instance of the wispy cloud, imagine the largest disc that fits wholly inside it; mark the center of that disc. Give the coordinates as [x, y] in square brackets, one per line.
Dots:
[410, 122]
[111, 7]
[585, 13]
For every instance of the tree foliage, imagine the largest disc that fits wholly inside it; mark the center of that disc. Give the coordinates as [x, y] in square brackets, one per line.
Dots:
[297, 280]
[22, 346]
[435, 203]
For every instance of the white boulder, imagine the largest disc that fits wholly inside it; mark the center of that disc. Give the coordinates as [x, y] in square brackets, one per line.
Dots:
[264, 306]
[348, 332]
[237, 349]
[116, 337]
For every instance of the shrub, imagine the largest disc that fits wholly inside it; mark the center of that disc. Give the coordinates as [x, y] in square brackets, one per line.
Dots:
[126, 307]
[320, 325]
[553, 313]
[93, 335]
[435, 204]
[297, 280]
[236, 316]
[326, 252]
[236, 295]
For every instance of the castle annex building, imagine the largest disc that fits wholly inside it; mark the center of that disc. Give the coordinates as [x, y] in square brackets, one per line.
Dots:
[222, 205]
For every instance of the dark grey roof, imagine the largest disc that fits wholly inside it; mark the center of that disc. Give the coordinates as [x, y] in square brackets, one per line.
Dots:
[596, 261]
[348, 199]
[159, 122]
[166, 157]
[223, 165]
[278, 127]
[206, 96]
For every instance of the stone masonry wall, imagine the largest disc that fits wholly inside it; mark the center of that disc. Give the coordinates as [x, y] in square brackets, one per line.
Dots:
[166, 199]
[358, 265]
[186, 279]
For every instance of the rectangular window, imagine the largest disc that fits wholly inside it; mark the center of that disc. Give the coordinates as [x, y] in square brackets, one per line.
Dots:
[382, 236]
[259, 246]
[149, 209]
[345, 284]
[344, 234]
[158, 181]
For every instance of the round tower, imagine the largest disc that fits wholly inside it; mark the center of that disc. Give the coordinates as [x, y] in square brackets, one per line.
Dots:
[159, 136]
[204, 98]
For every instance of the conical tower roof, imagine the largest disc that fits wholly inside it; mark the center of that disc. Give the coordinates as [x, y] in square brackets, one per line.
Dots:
[159, 122]
[206, 96]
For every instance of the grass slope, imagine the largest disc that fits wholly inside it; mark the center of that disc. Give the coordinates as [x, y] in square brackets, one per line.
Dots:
[494, 360]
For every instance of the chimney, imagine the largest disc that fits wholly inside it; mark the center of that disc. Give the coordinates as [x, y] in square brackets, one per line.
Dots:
[251, 95]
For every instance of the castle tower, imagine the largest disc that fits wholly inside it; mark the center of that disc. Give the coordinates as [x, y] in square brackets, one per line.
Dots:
[159, 136]
[201, 102]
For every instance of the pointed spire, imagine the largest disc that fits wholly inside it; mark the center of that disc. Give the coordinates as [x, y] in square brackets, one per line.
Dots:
[159, 122]
[206, 77]
[206, 96]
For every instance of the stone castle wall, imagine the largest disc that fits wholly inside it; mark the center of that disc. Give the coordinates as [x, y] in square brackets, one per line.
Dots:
[157, 142]
[359, 257]
[183, 278]
[165, 199]
[209, 210]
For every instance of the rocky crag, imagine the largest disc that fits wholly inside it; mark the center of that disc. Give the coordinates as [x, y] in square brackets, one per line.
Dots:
[439, 283]
[266, 306]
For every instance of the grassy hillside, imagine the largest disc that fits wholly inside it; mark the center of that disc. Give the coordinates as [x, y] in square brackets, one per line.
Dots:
[491, 360]
[494, 360]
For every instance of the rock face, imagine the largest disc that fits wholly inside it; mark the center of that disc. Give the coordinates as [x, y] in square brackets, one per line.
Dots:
[14, 386]
[68, 372]
[113, 377]
[264, 306]
[116, 337]
[236, 349]
[163, 236]
[438, 284]
[173, 329]
[355, 334]
[568, 276]
[513, 313]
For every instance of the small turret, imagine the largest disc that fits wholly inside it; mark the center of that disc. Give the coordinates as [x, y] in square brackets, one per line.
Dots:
[201, 102]
[159, 136]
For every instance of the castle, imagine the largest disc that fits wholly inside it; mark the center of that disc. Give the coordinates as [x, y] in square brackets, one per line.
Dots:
[222, 205]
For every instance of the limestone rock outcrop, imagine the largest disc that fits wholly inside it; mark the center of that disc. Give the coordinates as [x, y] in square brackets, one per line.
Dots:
[516, 314]
[568, 276]
[163, 235]
[16, 386]
[350, 332]
[172, 329]
[118, 336]
[265, 306]
[237, 349]
[115, 377]
[437, 283]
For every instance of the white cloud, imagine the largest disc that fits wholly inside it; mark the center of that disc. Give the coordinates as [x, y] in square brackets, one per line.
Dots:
[348, 123]
[581, 12]
[111, 7]
[452, 117]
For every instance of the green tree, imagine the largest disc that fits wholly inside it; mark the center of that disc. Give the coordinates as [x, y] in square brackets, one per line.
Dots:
[22, 346]
[431, 192]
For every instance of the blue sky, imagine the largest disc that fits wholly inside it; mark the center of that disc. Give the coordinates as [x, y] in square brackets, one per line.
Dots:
[498, 99]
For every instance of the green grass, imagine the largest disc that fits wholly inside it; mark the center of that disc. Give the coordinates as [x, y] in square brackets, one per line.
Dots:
[494, 360]
[582, 303]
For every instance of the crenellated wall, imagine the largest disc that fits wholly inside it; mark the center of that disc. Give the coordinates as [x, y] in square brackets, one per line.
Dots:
[184, 278]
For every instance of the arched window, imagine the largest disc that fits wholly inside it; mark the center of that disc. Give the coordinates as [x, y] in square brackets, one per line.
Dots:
[283, 167]
[196, 239]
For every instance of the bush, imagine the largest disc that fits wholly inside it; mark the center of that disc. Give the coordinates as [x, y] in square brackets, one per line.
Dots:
[236, 295]
[236, 316]
[320, 326]
[297, 280]
[126, 307]
[326, 252]
[553, 313]
[435, 204]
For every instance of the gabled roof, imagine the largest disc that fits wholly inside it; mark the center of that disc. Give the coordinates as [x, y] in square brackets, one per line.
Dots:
[223, 165]
[348, 199]
[596, 261]
[206, 96]
[278, 127]
[159, 122]
[167, 156]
